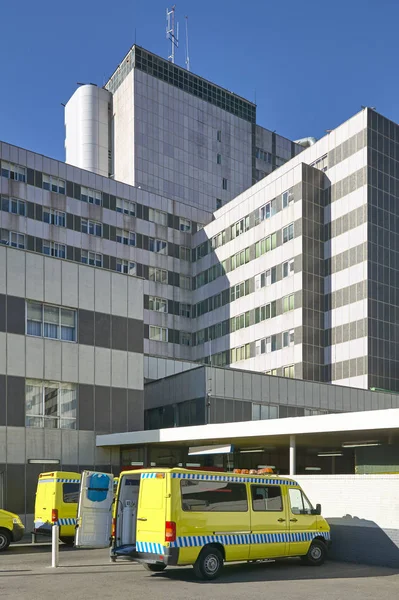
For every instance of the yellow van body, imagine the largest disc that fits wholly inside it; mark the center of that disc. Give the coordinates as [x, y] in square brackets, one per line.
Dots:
[11, 529]
[57, 502]
[182, 515]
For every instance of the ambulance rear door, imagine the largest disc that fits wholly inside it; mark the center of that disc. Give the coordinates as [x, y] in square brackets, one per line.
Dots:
[94, 520]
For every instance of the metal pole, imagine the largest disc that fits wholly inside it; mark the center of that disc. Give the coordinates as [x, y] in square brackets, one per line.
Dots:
[55, 549]
[292, 455]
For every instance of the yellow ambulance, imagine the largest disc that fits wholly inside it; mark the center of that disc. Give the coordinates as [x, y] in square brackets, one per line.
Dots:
[56, 503]
[164, 517]
[11, 529]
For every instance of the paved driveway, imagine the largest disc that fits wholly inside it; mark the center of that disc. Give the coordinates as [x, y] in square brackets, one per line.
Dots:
[88, 574]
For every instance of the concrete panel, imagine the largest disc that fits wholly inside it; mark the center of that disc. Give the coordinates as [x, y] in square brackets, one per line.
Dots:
[35, 281]
[283, 390]
[218, 388]
[34, 443]
[135, 375]
[266, 389]
[69, 284]
[87, 444]
[3, 270]
[135, 298]
[237, 392]
[229, 383]
[86, 364]
[256, 387]
[3, 446]
[52, 443]
[103, 456]
[3, 353]
[119, 295]
[34, 357]
[119, 368]
[16, 445]
[15, 355]
[86, 287]
[69, 446]
[247, 386]
[102, 367]
[103, 291]
[52, 281]
[15, 273]
[69, 362]
[52, 360]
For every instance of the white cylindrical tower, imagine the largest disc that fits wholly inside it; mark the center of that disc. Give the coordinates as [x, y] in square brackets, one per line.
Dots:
[87, 116]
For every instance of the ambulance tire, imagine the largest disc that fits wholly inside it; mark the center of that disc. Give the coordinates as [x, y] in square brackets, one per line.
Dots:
[67, 540]
[209, 564]
[154, 567]
[5, 539]
[316, 555]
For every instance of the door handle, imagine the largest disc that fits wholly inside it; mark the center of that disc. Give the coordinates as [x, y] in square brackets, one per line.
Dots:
[293, 520]
[281, 520]
[141, 519]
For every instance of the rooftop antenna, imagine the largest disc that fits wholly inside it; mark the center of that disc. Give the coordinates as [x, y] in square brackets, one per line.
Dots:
[170, 32]
[187, 55]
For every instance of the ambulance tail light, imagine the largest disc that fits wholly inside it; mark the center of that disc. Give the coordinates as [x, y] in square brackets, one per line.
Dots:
[54, 515]
[170, 531]
[113, 529]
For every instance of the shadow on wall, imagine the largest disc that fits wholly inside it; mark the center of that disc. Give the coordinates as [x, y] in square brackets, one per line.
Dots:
[362, 541]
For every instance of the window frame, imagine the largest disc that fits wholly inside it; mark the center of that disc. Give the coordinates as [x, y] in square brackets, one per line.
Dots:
[192, 482]
[253, 486]
[98, 257]
[58, 418]
[126, 266]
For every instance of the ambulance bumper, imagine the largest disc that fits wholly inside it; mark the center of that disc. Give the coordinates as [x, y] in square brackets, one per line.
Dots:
[170, 558]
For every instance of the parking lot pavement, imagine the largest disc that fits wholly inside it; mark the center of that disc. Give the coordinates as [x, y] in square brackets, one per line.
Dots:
[25, 573]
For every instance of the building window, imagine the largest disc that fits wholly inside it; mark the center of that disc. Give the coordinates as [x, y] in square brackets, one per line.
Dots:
[158, 275]
[50, 404]
[159, 334]
[92, 258]
[288, 338]
[54, 249]
[91, 227]
[126, 207]
[265, 245]
[185, 282]
[224, 183]
[240, 227]
[185, 338]
[126, 237]
[267, 345]
[53, 184]
[241, 353]
[158, 304]
[266, 211]
[11, 171]
[288, 371]
[158, 216]
[54, 217]
[218, 203]
[288, 303]
[185, 253]
[12, 238]
[13, 205]
[239, 259]
[265, 279]
[263, 155]
[126, 266]
[184, 225]
[272, 372]
[54, 322]
[158, 246]
[321, 163]
[288, 268]
[185, 310]
[90, 196]
[239, 290]
[267, 311]
[219, 159]
[219, 135]
[288, 198]
[288, 233]
[239, 322]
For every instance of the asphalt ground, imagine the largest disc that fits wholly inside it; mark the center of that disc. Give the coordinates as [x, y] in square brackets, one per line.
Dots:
[25, 572]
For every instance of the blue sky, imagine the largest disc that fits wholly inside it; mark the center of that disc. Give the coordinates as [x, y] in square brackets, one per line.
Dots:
[310, 65]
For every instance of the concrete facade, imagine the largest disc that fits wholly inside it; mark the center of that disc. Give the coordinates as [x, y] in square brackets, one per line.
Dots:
[71, 366]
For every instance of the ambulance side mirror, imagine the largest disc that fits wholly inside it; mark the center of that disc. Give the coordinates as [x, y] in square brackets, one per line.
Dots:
[318, 509]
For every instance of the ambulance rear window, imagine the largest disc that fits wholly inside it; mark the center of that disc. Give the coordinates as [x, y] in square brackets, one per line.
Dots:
[70, 493]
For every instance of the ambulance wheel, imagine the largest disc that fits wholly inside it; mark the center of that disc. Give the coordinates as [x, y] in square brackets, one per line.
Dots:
[68, 541]
[316, 555]
[5, 539]
[209, 564]
[154, 567]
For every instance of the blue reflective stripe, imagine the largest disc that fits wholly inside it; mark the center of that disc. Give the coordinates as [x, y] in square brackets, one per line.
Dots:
[229, 478]
[66, 521]
[150, 548]
[240, 539]
[58, 481]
